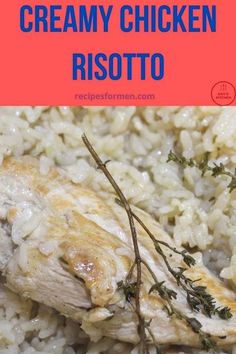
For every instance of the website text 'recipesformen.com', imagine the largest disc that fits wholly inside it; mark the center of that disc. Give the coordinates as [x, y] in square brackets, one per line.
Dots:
[91, 96]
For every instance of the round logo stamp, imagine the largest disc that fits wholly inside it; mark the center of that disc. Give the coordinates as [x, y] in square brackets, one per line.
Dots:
[223, 93]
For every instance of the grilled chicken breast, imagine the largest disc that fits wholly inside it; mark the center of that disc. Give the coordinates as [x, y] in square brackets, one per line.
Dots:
[64, 246]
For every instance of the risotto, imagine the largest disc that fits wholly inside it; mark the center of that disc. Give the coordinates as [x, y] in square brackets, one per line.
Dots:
[198, 212]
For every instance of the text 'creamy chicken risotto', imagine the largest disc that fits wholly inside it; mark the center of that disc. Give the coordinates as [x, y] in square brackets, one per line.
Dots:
[197, 211]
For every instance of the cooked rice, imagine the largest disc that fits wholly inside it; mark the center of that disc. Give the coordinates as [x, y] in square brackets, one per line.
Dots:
[137, 140]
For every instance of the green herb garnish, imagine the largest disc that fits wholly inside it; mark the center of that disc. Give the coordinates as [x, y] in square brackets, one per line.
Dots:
[196, 296]
[204, 167]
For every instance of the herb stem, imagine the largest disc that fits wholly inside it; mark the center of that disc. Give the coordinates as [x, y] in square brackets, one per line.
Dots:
[138, 260]
[155, 240]
[150, 271]
[130, 273]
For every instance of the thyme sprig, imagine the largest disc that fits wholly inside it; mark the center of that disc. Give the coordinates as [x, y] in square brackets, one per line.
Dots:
[169, 294]
[197, 296]
[143, 348]
[215, 170]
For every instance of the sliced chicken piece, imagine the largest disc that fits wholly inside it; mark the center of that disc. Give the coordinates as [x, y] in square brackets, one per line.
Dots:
[72, 248]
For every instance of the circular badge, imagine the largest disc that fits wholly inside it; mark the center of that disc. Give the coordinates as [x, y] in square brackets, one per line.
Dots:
[223, 93]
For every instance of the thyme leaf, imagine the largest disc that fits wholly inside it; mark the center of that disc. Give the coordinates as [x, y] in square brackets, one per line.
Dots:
[224, 313]
[207, 341]
[130, 289]
[163, 291]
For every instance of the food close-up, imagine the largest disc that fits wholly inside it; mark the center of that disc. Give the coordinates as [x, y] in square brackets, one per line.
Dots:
[117, 230]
